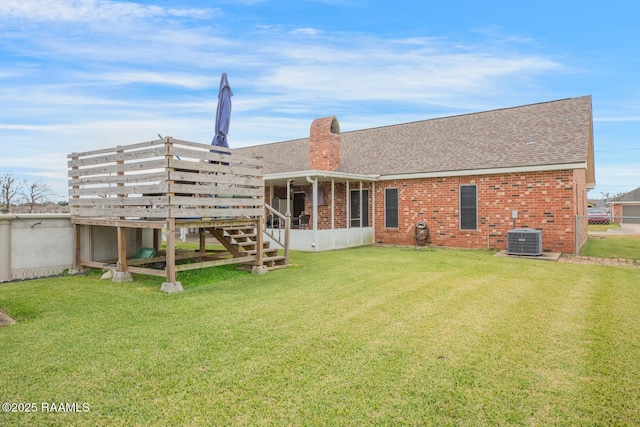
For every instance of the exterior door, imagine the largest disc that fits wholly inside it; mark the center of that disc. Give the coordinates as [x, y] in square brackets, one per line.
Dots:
[358, 214]
[298, 204]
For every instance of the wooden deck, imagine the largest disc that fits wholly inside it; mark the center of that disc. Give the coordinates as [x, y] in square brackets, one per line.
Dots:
[168, 184]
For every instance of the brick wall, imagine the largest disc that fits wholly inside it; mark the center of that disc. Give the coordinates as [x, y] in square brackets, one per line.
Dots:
[544, 200]
[324, 144]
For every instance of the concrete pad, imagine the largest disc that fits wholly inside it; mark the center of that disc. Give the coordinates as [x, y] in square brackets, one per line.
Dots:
[259, 269]
[171, 288]
[546, 256]
[122, 276]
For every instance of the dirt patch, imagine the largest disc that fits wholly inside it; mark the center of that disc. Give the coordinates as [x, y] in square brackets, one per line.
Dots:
[4, 319]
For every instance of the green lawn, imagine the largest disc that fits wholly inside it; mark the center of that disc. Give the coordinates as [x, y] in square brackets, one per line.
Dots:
[370, 336]
[603, 227]
[627, 247]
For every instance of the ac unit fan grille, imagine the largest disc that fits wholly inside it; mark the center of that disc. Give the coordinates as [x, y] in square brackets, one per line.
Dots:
[524, 241]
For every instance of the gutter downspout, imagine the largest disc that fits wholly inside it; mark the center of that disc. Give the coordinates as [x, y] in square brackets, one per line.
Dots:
[314, 183]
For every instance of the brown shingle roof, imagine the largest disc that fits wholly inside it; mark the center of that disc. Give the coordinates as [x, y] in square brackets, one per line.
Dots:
[631, 196]
[556, 132]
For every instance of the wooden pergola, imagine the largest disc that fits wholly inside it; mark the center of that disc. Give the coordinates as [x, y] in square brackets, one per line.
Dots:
[169, 184]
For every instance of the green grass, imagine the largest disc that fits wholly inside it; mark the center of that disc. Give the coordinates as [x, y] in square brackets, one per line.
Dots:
[603, 227]
[370, 336]
[612, 247]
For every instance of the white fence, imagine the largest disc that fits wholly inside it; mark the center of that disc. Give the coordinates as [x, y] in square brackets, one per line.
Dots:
[38, 245]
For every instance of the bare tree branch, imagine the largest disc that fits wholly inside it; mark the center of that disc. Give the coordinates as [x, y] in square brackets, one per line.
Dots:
[36, 193]
[10, 187]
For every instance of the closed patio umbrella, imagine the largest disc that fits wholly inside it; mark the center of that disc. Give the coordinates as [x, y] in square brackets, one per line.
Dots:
[223, 113]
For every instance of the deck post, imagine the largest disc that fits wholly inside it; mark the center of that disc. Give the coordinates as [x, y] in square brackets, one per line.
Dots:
[121, 274]
[259, 267]
[76, 248]
[171, 285]
[203, 241]
[260, 241]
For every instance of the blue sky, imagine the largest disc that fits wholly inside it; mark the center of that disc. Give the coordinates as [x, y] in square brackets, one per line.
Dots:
[79, 75]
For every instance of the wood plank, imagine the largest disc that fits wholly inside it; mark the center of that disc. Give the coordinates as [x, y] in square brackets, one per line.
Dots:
[135, 212]
[118, 147]
[207, 176]
[214, 201]
[260, 242]
[180, 255]
[140, 189]
[122, 201]
[206, 264]
[150, 165]
[199, 145]
[209, 156]
[171, 251]
[117, 156]
[97, 264]
[215, 167]
[213, 223]
[122, 249]
[106, 222]
[115, 179]
[208, 190]
[214, 213]
[147, 271]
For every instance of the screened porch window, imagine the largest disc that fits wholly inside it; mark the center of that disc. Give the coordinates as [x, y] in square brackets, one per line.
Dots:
[356, 213]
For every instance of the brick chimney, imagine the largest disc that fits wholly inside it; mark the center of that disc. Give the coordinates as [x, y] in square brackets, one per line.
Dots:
[324, 144]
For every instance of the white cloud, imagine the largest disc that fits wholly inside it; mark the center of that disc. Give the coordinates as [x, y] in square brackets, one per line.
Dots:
[91, 10]
[185, 80]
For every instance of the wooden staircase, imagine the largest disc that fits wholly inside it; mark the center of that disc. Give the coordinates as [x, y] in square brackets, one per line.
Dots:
[240, 241]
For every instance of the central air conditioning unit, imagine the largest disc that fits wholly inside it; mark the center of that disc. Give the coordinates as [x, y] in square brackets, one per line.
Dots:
[524, 241]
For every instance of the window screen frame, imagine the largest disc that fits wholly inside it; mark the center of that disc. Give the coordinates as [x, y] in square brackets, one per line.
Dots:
[389, 219]
[468, 212]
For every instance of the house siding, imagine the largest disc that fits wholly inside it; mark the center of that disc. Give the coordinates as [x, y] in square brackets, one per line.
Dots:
[544, 200]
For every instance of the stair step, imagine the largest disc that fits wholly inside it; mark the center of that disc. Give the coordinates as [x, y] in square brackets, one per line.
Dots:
[239, 228]
[265, 245]
[242, 237]
[271, 259]
[266, 252]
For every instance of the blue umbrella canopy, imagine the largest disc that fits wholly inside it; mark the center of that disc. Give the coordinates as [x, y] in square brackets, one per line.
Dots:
[223, 113]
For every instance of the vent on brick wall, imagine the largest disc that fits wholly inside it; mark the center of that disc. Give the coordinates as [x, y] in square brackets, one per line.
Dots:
[524, 241]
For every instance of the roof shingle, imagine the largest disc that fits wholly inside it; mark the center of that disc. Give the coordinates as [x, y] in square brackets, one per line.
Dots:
[556, 132]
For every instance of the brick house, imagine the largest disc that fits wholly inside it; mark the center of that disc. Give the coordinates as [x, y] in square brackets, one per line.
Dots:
[471, 178]
[626, 207]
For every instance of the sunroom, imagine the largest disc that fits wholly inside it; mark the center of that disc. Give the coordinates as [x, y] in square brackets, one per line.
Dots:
[327, 210]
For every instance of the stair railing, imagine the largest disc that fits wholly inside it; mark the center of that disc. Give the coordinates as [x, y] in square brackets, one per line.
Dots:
[278, 228]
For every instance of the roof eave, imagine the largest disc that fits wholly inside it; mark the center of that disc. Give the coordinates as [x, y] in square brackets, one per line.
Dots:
[282, 177]
[490, 171]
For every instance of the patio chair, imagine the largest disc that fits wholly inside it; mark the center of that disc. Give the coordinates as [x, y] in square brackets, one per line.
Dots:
[303, 221]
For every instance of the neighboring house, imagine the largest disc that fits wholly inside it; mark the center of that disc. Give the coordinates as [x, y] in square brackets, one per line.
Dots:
[471, 178]
[626, 207]
[596, 203]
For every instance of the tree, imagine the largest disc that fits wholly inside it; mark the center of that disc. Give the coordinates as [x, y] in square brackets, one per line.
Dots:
[10, 187]
[35, 193]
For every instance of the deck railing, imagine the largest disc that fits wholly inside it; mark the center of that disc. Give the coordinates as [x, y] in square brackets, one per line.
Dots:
[277, 227]
[165, 178]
